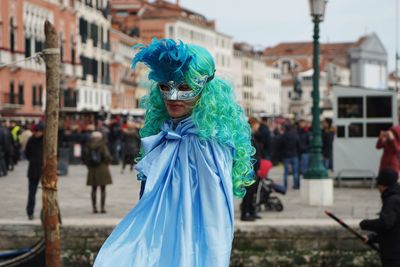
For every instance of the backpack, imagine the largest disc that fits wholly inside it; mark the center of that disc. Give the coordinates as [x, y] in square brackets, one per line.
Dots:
[93, 157]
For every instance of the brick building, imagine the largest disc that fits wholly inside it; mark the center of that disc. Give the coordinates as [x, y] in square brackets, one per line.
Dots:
[123, 77]
[94, 59]
[22, 35]
[162, 19]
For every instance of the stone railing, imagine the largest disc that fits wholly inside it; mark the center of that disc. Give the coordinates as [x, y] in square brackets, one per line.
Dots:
[255, 245]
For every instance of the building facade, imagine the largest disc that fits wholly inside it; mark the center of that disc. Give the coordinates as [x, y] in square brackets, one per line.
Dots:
[361, 63]
[122, 76]
[22, 85]
[273, 85]
[219, 44]
[95, 59]
[94, 87]
[368, 63]
[162, 19]
[257, 86]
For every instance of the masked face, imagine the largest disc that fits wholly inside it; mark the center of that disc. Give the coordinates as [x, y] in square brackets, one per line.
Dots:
[179, 108]
[179, 98]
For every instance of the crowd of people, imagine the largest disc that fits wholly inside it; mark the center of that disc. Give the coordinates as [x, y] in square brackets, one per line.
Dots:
[121, 137]
[13, 140]
[116, 142]
[287, 142]
[277, 140]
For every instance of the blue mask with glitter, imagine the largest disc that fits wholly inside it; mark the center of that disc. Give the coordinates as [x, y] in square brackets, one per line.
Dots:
[177, 91]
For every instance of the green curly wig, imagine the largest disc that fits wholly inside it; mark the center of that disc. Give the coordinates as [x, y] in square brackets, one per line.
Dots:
[216, 114]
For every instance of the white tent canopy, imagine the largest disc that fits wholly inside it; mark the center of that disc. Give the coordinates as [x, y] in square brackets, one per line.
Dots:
[359, 116]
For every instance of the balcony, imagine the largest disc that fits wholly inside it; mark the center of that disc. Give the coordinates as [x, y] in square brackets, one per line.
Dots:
[10, 101]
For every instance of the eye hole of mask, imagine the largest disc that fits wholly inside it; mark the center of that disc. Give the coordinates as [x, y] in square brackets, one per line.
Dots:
[181, 87]
[184, 87]
[163, 87]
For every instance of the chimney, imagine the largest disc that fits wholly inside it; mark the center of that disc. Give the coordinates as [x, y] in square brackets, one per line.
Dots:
[177, 2]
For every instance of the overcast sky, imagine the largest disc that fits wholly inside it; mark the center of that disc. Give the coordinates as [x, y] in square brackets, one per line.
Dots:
[269, 22]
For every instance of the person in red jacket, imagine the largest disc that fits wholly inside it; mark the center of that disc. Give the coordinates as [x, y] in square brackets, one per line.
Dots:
[389, 141]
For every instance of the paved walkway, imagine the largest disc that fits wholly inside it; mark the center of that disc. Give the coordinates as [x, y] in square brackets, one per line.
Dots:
[74, 199]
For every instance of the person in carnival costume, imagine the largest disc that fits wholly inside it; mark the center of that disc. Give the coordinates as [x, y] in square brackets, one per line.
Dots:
[196, 156]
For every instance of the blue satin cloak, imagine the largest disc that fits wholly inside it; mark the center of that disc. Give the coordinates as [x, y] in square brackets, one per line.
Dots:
[185, 216]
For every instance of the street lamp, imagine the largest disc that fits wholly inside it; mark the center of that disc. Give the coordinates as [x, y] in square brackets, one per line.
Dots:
[317, 9]
[317, 188]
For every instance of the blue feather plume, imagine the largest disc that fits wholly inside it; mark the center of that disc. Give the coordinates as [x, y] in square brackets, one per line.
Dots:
[166, 59]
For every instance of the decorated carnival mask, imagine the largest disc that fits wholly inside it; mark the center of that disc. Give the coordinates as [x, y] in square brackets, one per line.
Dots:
[168, 62]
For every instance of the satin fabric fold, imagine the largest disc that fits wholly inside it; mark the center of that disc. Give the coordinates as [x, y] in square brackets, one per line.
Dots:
[185, 216]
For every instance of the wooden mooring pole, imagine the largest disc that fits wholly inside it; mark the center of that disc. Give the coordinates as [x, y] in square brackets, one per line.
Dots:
[51, 224]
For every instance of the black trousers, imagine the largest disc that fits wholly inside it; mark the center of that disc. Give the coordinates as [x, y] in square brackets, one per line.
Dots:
[248, 207]
[128, 159]
[3, 167]
[32, 188]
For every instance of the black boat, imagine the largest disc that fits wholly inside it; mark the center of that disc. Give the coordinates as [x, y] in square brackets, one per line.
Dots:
[24, 257]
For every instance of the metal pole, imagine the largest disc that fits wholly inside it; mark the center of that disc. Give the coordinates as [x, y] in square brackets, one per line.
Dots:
[396, 87]
[397, 44]
[50, 215]
[316, 170]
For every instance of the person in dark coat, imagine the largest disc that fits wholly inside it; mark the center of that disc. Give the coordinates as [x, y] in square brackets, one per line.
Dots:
[87, 133]
[114, 140]
[328, 135]
[9, 149]
[386, 229]
[304, 145]
[34, 154]
[3, 166]
[102, 127]
[97, 158]
[276, 152]
[130, 146]
[74, 138]
[248, 209]
[290, 153]
[263, 138]
[15, 131]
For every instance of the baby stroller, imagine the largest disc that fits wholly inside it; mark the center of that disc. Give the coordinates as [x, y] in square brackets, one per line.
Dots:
[266, 187]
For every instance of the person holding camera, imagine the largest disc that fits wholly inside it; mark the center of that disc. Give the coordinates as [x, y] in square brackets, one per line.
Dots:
[389, 141]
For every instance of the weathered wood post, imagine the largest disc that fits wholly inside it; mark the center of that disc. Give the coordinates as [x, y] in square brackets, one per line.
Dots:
[51, 224]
